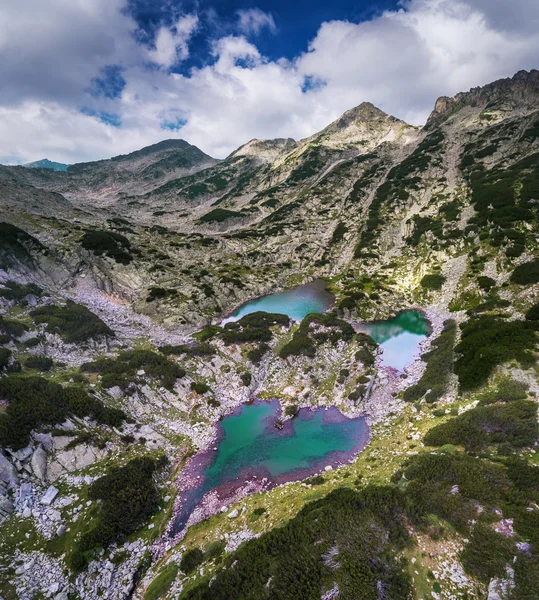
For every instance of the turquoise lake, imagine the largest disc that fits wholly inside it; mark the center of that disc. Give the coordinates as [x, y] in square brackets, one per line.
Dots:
[399, 337]
[250, 445]
[297, 302]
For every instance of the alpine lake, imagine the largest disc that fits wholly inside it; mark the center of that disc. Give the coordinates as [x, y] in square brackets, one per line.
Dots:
[249, 446]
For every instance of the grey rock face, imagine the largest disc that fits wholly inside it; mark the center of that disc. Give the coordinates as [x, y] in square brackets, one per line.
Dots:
[8, 473]
[39, 463]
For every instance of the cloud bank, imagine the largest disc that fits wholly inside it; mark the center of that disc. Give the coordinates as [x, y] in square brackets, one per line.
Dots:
[78, 84]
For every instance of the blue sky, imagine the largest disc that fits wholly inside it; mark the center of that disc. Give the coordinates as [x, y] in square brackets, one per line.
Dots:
[89, 79]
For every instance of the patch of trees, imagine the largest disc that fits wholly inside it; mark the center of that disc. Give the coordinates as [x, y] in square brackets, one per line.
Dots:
[108, 243]
[73, 322]
[189, 350]
[436, 377]
[18, 291]
[349, 538]
[488, 341]
[218, 215]
[526, 273]
[10, 329]
[327, 328]
[513, 424]
[33, 402]
[254, 327]
[41, 363]
[433, 281]
[128, 495]
[121, 371]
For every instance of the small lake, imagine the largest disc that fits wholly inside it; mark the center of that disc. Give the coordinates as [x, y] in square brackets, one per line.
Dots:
[249, 446]
[399, 337]
[296, 302]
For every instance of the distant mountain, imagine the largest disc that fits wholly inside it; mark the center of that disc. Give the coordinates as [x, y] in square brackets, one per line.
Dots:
[45, 163]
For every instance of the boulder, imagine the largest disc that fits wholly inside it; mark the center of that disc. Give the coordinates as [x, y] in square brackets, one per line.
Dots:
[8, 473]
[39, 463]
[49, 496]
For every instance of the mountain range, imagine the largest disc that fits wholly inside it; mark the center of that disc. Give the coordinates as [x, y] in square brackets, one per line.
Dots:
[116, 275]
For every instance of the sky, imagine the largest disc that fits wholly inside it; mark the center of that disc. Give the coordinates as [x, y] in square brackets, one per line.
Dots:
[89, 79]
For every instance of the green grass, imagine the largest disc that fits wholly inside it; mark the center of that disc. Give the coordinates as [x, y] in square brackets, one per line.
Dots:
[159, 587]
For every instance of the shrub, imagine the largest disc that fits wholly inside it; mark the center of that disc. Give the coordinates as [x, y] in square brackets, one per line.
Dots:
[246, 379]
[256, 354]
[514, 423]
[34, 402]
[41, 363]
[487, 553]
[532, 314]
[128, 496]
[291, 410]
[218, 215]
[200, 387]
[200, 349]
[73, 322]
[433, 281]
[526, 273]
[439, 359]
[367, 529]
[11, 329]
[254, 327]
[302, 342]
[489, 341]
[17, 291]
[108, 243]
[191, 559]
[122, 370]
[485, 283]
[5, 355]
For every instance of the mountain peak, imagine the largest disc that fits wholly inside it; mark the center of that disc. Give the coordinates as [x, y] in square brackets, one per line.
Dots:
[519, 91]
[45, 163]
[266, 150]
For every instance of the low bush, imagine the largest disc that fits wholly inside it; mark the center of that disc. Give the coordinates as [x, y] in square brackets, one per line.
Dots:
[108, 243]
[122, 370]
[526, 273]
[485, 283]
[514, 423]
[246, 379]
[489, 341]
[200, 349]
[5, 356]
[200, 387]
[254, 327]
[434, 281]
[330, 327]
[73, 322]
[191, 560]
[487, 553]
[532, 314]
[17, 291]
[437, 374]
[11, 329]
[128, 496]
[33, 402]
[41, 363]
[256, 354]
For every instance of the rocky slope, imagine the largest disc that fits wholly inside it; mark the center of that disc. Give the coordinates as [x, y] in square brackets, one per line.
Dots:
[161, 243]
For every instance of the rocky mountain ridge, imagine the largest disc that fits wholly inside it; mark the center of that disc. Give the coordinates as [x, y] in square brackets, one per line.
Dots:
[114, 278]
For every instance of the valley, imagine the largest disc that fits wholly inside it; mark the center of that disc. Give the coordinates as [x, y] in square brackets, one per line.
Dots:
[308, 370]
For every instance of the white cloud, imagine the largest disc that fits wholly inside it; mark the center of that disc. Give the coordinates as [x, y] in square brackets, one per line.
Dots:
[254, 20]
[401, 61]
[171, 43]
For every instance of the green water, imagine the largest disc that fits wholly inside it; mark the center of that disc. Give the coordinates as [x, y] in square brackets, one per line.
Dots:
[250, 440]
[251, 445]
[399, 337]
[297, 302]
